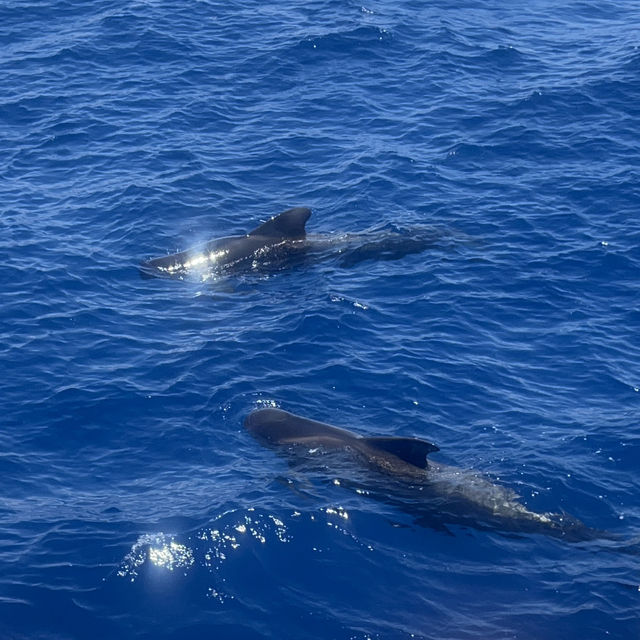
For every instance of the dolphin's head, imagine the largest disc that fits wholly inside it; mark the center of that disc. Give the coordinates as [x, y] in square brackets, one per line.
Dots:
[278, 427]
[270, 425]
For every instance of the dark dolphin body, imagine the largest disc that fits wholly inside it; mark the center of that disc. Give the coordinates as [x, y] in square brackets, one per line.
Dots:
[281, 236]
[283, 241]
[435, 493]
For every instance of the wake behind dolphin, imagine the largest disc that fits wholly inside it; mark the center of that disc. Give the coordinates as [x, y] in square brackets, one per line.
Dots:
[435, 493]
[282, 242]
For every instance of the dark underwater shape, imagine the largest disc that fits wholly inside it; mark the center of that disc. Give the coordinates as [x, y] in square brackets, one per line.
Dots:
[434, 493]
[282, 242]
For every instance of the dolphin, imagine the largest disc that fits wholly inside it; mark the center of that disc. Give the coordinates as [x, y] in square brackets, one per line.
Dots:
[438, 494]
[283, 241]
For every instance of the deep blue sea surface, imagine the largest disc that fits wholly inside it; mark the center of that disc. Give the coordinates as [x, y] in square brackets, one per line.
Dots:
[134, 503]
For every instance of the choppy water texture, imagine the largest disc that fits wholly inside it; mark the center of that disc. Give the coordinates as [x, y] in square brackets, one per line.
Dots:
[134, 504]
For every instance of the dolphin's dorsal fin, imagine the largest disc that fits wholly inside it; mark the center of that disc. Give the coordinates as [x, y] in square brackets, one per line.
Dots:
[288, 224]
[411, 450]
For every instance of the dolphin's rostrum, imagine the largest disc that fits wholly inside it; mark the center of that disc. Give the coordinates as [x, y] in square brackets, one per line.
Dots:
[435, 493]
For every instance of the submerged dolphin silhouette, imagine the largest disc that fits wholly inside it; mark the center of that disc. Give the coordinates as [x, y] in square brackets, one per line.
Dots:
[436, 492]
[279, 242]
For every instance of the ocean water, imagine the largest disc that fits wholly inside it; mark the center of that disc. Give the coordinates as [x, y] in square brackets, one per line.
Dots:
[134, 503]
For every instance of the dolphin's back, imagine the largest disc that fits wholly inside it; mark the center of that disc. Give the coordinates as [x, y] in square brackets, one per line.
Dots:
[271, 242]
